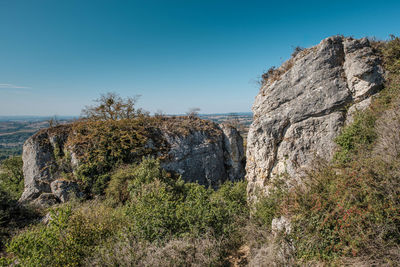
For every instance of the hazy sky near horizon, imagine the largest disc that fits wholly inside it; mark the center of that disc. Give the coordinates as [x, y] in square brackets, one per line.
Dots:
[57, 56]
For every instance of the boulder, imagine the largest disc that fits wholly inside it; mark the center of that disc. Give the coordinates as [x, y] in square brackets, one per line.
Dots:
[301, 108]
[45, 200]
[64, 190]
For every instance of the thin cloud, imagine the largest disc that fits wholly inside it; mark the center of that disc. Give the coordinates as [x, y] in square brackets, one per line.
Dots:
[12, 86]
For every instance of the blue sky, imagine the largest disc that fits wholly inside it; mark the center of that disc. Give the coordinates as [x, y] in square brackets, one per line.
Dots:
[57, 56]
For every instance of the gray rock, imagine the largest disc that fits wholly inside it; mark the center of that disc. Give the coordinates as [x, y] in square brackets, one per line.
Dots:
[281, 225]
[196, 157]
[64, 190]
[298, 113]
[38, 159]
[362, 68]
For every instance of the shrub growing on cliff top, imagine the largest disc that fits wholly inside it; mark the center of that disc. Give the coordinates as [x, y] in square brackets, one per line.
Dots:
[102, 145]
[112, 107]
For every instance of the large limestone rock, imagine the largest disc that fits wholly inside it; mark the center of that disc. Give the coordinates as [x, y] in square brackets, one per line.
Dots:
[301, 107]
[208, 155]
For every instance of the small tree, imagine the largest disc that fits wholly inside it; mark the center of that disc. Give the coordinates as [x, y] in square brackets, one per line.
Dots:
[112, 107]
[297, 50]
[234, 120]
[193, 112]
[53, 122]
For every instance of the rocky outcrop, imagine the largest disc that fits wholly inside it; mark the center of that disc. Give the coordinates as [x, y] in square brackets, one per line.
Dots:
[301, 107]
[208, 155]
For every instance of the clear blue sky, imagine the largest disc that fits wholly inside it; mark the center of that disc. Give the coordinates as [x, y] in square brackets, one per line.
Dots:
[56, 56]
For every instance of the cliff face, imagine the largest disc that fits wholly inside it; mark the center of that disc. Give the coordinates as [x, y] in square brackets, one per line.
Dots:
[302, 107]
[209, 156]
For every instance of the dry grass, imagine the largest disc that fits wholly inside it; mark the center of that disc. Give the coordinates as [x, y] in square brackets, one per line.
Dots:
[204, 251]
[266, 248]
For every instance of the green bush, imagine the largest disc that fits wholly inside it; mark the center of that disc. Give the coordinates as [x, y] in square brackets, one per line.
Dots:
[351, 213]
[162, 207]
[358, 135]
[70, 236]
[12, 177]
[154, 210]
[268, 206]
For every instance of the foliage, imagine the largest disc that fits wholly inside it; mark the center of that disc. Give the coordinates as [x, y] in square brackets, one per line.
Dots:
[112, 107]
[12, 216]
[358, 135]
[7, 207]
[161, 215]
[297, 50]
[193, 112]
[11, 176]
[354, 212]
[160, 208]
[6, 152]
[391, 55]
[268, 206]
[70, 236]
[127, 180]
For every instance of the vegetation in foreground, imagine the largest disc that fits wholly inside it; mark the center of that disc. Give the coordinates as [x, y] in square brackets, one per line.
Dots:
[144, 210]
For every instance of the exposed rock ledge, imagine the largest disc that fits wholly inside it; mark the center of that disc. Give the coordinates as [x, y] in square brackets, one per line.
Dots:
[298, 114]
[208, 156]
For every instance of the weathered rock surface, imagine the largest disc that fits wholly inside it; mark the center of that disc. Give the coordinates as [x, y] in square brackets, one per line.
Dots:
[208, 156]
[234, 155]
[298, 114]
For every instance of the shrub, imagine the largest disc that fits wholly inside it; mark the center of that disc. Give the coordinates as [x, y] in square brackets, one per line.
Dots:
[268, 206]
[7, 210]
[127, 180]
[70, 236]
[354, 212]
[112, 107]
[160, 211]
[101, 146]
[12, 177]
[162, 206]
[358, 135]
[12, 216]
[297, 50]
